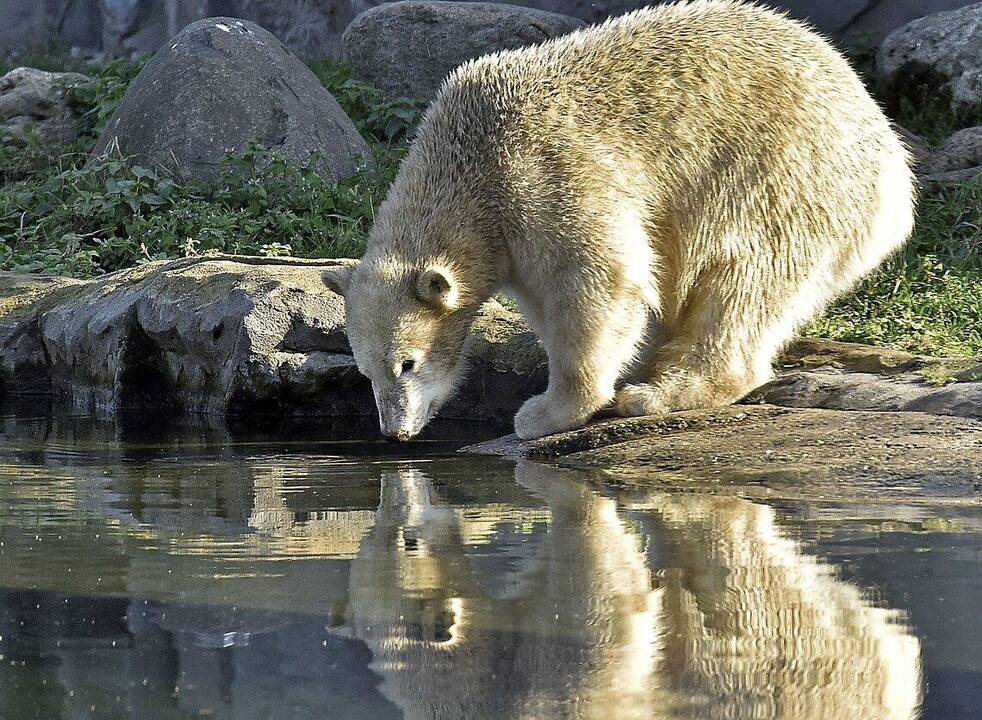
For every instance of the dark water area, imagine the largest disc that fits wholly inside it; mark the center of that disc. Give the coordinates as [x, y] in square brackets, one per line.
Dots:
[186, 572]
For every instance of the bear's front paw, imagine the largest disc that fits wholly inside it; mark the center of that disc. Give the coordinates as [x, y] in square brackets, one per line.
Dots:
[539, 416]
[635, 400]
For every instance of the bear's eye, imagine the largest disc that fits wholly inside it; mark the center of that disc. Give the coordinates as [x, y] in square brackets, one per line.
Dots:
[407, 366]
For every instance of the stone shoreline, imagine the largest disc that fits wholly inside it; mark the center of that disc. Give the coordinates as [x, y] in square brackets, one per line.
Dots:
[233, 336]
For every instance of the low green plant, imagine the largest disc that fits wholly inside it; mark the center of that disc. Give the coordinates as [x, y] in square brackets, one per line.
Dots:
[93, 101]
[937, 377]
[928, 298]
[96, 101]
[106, 215]
[380, 122]
[30, 157]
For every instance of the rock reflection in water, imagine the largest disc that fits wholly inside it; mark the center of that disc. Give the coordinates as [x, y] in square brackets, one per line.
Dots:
[681, 606]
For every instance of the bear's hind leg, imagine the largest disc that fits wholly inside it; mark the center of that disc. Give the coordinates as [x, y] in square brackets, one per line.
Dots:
[718, 350]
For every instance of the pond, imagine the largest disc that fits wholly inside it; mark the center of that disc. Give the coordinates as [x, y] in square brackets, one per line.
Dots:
[191, 573]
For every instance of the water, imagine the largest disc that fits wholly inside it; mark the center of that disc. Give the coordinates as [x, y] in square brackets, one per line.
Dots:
[201, 575]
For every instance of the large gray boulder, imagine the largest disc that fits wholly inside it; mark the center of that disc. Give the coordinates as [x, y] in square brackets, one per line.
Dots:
[35, 101]
[219, 85]
[407, 48]
[946, 44]
[837, 389]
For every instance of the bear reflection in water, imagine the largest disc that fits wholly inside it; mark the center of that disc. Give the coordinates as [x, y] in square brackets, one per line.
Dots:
[469, 589]
[658, 606]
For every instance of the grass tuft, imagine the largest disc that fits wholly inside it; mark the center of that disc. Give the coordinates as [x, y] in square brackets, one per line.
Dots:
[928, 298]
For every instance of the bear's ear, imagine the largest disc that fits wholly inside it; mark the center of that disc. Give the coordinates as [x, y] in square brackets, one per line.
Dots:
[339, 277]
[435, 286]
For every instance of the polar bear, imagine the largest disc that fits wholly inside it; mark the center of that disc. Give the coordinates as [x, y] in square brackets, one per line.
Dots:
[666, 196]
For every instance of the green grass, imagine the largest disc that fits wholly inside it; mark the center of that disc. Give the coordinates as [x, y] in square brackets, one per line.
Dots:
[935, 120]
[378, 121]
[927, 299]
[59, 214]
[83, 221]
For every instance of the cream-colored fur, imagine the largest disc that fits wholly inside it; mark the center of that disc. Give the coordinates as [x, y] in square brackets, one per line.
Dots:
[667, 196]
[663, 606]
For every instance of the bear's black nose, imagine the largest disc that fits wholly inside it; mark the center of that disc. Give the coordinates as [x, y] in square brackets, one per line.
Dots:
[401, 436]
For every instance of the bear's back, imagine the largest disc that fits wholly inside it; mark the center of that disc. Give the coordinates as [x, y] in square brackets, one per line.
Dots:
[678, 103]
[690, 70]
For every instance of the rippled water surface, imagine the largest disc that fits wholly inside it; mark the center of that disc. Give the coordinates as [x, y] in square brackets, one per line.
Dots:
[201, 576]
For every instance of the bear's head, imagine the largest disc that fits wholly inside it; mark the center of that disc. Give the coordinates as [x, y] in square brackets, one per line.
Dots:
[407, 326]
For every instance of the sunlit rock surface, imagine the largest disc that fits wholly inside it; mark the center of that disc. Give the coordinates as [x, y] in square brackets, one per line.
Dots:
[946, 44]
[846, 376]
[789, 449]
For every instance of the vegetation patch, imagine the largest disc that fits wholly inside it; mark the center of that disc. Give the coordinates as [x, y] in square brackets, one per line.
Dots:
[937, 377]
[62, 212]
[928, 298]
[85, 220]
[918, 100]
